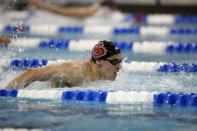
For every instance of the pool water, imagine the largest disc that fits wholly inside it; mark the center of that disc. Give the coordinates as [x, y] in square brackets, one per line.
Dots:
[77, 115]
[47, 114]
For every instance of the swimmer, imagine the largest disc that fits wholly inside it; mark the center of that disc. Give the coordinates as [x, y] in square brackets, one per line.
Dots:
[4, 41]
[80, 12]
[103, 65]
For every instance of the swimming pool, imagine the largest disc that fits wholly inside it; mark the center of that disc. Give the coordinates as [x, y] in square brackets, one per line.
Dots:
[56, 114]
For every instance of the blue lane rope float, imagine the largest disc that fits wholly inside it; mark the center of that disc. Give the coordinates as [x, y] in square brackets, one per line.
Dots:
[182, 48]
[175, 99]
[7, 93]
[179, 99]
[29, 63]
[186, 19]
[182, 31]
[84, 95]
[124, 45]
[54, 44]
[169, 67]
[132, 30]
[76, 29]
[172, 67]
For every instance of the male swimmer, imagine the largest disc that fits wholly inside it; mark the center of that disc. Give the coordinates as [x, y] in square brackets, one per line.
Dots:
[80, 12]
[103, 65]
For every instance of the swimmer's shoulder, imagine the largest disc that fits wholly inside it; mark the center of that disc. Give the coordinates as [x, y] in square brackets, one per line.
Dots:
[68, 65]
[75, 62]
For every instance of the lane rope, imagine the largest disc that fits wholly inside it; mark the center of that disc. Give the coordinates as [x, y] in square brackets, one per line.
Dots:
[98, 29]
[111, 97]
[152, 47]
[129, 66]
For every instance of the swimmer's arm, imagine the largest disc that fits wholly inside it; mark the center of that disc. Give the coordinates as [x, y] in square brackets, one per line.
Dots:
[31, 75]
[72, 75]
[76, 12]
[22, 80]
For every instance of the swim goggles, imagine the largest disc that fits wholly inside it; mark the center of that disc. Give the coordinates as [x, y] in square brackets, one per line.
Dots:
[114, 61]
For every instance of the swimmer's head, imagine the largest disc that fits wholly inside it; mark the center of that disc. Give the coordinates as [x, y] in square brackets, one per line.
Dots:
[104, 49]
[107, 57]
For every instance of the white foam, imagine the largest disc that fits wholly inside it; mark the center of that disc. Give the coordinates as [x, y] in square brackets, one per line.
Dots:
[5, 62]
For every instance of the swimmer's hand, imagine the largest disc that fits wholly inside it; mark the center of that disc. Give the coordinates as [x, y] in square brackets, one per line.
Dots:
[4, 40]
[37, 3]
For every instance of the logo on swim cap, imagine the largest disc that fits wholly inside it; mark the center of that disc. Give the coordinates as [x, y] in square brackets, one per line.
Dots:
[116, 48]
[99, 50]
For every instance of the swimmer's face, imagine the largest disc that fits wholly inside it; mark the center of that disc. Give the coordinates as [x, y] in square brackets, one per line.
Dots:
[108, 68]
